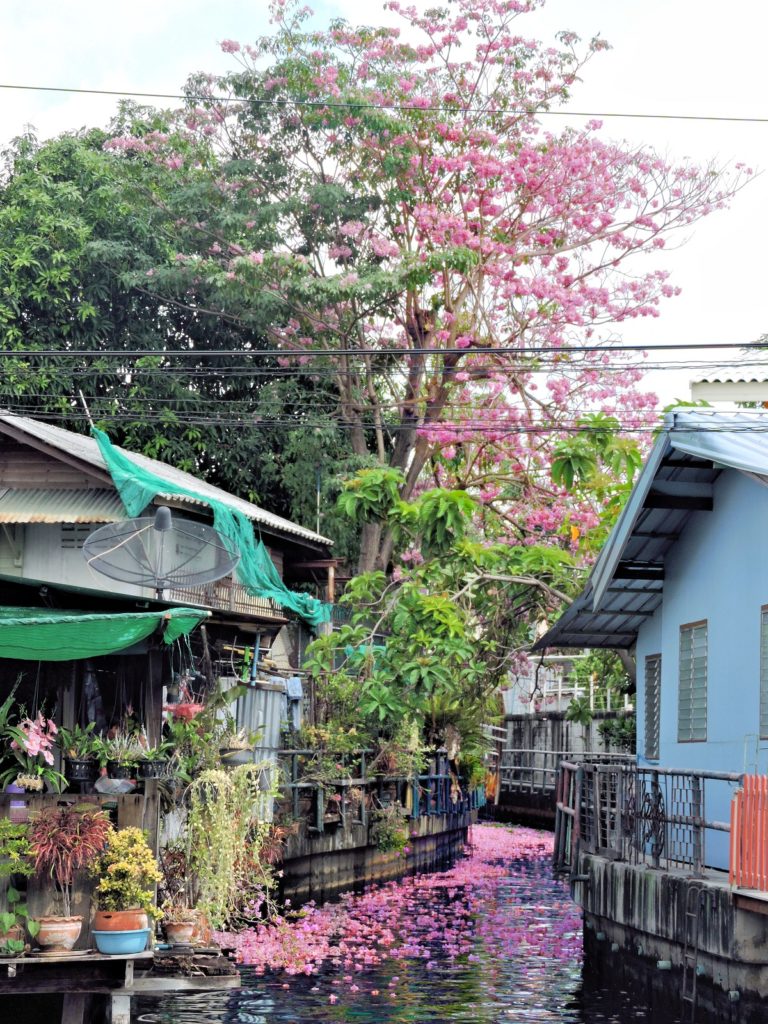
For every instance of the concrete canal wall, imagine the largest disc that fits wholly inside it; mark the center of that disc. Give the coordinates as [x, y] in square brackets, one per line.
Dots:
[318, 867]
[640, 913]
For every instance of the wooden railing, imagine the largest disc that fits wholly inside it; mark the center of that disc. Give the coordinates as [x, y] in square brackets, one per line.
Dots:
[749, 834]
[226, 595]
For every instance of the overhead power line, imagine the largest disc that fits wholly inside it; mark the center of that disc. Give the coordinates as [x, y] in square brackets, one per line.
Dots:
[364, 105]
[405, 353]
[756, 423]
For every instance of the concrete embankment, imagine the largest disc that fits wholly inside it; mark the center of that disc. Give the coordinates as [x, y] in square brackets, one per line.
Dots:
[653, 917]
[318, 867]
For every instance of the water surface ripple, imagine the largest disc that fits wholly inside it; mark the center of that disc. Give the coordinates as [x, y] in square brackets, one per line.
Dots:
[494, 939]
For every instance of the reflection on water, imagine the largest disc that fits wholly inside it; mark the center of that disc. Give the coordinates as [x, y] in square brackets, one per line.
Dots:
[495, 939]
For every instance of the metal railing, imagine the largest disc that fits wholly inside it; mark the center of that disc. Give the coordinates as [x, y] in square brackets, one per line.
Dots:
[349, 798]
[536, 770]
[655, 816]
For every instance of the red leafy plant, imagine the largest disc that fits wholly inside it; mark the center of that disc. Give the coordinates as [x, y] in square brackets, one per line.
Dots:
[66, 840]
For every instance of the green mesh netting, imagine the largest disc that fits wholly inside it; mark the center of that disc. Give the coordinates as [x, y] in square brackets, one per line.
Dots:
[36, 634]
[138, 488]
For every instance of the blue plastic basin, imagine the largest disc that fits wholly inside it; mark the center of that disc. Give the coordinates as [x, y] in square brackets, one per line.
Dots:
[121, 943]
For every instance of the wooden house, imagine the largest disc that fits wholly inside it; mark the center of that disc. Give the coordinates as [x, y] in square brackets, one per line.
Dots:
[87, 648]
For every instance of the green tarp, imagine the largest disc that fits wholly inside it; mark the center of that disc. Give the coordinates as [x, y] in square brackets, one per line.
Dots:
[256, 570]
[36, 634]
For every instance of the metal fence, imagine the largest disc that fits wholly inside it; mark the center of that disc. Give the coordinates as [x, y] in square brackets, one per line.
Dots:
[349, 798]
[655, 816]
[536, 770]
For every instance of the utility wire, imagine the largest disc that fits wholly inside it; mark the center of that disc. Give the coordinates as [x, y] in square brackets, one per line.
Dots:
[364, 105]
[605, 348]
[756, 421]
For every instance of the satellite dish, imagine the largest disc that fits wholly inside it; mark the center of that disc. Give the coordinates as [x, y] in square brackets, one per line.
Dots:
[161, 552]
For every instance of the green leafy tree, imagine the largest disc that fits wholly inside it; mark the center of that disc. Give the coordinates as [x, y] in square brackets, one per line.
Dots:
[428, 645]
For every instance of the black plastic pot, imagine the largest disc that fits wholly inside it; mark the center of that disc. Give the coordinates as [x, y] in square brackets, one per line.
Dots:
[118, 770]
[152, 769]
[80, 769]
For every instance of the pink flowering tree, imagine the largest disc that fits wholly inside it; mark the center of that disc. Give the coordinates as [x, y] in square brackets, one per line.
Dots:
[432, 248]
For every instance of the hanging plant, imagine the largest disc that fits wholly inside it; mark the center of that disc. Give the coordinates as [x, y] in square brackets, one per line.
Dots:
[226, 828]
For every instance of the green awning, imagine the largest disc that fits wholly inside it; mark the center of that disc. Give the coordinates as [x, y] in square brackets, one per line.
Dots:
[36, 634]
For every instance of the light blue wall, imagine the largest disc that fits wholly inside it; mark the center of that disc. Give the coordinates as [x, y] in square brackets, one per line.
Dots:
[717, 571]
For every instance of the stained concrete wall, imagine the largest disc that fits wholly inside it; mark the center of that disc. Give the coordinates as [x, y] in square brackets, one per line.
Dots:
[643, 912]
[317, 867]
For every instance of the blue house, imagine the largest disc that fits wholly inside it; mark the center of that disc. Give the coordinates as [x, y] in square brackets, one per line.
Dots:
[683, 583]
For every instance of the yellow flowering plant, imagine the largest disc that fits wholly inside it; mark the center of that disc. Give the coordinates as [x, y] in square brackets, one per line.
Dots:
[127, 872]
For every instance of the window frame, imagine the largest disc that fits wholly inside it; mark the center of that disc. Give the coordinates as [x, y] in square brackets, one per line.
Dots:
[651, 659]
[762, 711]
[692, 627]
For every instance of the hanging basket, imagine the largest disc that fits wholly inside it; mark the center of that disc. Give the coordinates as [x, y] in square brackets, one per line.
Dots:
[157, 769]
[81, 769]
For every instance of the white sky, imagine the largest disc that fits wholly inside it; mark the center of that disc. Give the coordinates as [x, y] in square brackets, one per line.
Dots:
[669, 56]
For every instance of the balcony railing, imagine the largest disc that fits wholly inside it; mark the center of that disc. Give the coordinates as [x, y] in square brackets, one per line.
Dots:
[226, 595]
[655, 816]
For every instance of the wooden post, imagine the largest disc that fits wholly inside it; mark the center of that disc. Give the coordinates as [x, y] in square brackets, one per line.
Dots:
[73, 1008]
[119, 1009]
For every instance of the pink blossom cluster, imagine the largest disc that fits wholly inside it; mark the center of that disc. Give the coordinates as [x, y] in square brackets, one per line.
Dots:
[451, 916]
[37, 736]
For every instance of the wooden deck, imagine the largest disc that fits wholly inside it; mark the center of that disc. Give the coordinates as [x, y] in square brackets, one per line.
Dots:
[96, 988]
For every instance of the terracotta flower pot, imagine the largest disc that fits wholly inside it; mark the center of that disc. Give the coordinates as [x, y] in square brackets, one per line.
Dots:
[59, 934]
[119, 920]
[179, 933]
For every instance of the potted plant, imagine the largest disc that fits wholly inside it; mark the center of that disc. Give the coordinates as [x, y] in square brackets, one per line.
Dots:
[78, 745]
[30, 743]
[127, 871]
[65, 840]
[183, 923]
[15, 861]
[236, 746]
[188, 705]
[120, 754]
[153, 763]
[179, 922]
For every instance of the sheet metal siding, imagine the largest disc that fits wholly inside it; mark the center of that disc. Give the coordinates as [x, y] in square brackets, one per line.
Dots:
[41, 505]
[262, 709]
[85, 448]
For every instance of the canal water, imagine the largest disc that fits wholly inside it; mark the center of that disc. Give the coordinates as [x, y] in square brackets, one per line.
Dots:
[494, 939]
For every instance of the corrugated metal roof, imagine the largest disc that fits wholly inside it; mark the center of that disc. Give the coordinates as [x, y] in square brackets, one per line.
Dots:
[626, 583]
[85, 448]
[43, 506]
[744, 373]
